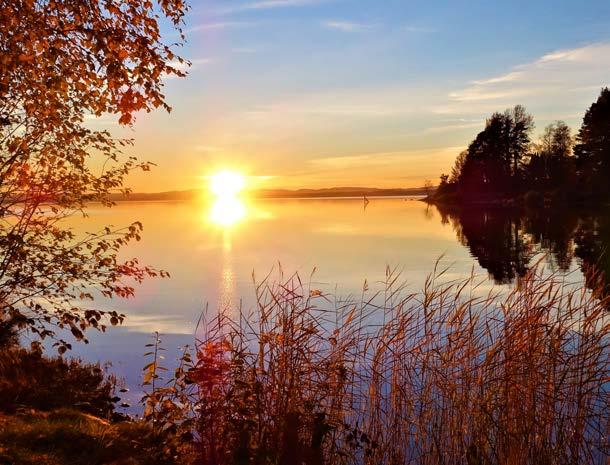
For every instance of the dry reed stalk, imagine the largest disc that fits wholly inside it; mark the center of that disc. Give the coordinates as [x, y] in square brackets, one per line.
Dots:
[447, 377]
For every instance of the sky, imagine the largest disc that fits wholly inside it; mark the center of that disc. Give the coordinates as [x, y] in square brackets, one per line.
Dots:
[378, 93]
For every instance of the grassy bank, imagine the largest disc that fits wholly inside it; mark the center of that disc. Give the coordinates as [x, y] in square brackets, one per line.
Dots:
[60, 411]
[71, 437]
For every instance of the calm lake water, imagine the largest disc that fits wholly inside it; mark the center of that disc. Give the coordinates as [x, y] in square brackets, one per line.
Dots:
[212, 250]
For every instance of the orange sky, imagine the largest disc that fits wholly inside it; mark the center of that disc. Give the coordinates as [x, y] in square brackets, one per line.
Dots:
[315, 94]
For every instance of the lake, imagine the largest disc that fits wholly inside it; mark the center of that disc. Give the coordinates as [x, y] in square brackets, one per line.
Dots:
[212, 250]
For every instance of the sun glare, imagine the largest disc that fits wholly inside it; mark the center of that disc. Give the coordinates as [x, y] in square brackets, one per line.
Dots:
[227, 211]
[225, 184]
[228, 208]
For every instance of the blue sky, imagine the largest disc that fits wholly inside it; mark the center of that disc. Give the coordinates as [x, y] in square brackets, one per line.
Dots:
[362, 92]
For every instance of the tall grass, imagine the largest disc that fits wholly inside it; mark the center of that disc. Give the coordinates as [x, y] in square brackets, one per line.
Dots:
[443, 376]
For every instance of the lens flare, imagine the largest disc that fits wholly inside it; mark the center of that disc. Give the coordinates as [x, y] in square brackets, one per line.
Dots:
[227, 184]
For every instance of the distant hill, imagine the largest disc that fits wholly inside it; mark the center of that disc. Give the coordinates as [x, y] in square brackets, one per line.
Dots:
[339, 192]
[280, 193]
[169, 195]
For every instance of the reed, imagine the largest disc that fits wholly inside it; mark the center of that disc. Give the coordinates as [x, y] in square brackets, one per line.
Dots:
[443, 376]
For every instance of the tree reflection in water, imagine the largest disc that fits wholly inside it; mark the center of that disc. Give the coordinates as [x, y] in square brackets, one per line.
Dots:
[504, 241]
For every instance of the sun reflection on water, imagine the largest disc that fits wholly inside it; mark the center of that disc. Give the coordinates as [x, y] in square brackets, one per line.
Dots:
[227, 211]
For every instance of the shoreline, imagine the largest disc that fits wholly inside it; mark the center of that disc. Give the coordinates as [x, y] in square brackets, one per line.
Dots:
[331, 193]
[517, 202]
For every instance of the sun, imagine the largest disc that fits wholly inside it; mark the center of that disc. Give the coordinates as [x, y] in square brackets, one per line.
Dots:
[228, 207]
[227, 184]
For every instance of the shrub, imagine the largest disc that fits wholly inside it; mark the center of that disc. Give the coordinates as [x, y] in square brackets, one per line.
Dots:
[30, 379]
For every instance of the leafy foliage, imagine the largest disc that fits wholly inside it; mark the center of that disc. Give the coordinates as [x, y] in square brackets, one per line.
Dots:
[61, 62]
[168, 407]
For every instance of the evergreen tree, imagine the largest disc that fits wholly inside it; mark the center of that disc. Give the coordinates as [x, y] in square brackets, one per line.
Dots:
[494, 159]
[593, 148]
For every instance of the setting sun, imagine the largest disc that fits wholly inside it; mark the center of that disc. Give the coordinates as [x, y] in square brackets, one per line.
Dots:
[227, 184]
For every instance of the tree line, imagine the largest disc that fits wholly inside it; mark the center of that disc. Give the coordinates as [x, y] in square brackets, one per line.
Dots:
[503, 162]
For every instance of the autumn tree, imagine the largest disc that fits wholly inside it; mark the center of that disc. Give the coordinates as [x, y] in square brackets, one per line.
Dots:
[62, 61]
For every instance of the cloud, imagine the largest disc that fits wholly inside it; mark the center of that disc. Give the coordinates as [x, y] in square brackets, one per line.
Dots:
[551, 76]
[347, 104]
[381, 158]
[416, 29]
[416, 165]
[454, 127]
[218, 26]
[267, 5]
[389, 109]
[346, 26]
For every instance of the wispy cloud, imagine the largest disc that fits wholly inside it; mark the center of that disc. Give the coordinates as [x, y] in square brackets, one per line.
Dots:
[317, 111]
[418, 164]
[553, 74]
[381, 158]
[267, 5]
[454, 127]
[218, 26]
[421, 29]
[346, 26]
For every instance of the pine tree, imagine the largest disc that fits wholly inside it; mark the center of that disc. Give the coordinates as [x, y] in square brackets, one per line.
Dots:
[593, 148]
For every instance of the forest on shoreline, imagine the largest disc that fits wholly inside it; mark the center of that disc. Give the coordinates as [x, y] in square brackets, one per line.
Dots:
[503, 165]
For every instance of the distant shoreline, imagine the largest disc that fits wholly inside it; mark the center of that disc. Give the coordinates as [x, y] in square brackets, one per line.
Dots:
[333, 192]
[534, 199]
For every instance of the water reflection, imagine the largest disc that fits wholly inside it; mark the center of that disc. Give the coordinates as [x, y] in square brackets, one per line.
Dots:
[227, 289]
[505, 241]
[227, 211]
